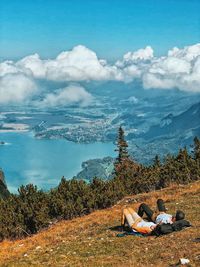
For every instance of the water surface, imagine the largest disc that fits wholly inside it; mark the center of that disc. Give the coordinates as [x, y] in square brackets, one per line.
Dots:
[25, 159]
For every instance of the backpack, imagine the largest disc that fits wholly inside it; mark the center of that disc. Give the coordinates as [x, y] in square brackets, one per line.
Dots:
[163, 229]
[179, 225]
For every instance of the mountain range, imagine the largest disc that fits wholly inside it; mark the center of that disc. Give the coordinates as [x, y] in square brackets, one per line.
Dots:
[184, 124]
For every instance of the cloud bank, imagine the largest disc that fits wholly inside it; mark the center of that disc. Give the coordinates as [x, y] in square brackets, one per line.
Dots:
[72, 94]
[19, 81]
[16, 88]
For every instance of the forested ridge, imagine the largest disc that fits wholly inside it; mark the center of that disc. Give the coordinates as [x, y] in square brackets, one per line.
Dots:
[31, 209]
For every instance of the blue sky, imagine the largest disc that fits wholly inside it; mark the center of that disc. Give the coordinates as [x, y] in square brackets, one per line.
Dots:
[110, 28]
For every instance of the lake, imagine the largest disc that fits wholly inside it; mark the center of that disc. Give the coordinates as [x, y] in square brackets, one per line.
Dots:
[42, 162]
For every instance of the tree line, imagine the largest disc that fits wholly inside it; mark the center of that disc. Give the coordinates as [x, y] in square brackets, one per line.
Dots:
[31, 209]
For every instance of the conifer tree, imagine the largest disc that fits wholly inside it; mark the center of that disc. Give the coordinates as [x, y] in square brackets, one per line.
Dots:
[182, 162]
[196, 159]
[125, 168]
[156, 161]
[122, 147]
[196, 146]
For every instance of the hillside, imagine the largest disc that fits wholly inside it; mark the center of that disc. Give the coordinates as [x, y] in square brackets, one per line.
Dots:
[171, 125]
[3, 187]
[91, 240]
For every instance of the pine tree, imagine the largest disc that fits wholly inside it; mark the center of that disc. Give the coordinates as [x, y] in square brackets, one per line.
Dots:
[125, 168]
[122, 147]
[156, 162]
[196, 146]
[196, 158]
[182, 163]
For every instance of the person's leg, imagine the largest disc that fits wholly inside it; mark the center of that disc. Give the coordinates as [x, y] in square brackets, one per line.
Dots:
[144, 209]
[141, 210]
[123, 218]
[136, 222]
[134, 214]
[161, 205]
[130, 216]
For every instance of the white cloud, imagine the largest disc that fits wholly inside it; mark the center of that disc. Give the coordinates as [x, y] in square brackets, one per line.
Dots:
[141, 54]
[134, 64]
[130, 73]
[170, 65]
[16, 88]
[79, 64]
[8, 67]
[33, 65]
[157, 81]
[73, 94]
[180, 68]
[188, 53]
[76, 65]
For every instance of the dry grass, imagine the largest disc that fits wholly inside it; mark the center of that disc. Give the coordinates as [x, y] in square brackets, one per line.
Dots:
[92, 241]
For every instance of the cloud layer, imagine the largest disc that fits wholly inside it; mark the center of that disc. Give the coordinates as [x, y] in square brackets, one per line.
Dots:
[72, 94]
[16, 88]
[19, 81]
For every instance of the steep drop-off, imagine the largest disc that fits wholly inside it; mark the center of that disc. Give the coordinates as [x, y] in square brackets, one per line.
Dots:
[3, 187]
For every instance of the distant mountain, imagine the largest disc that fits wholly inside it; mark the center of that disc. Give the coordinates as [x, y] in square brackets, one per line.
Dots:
[3, 187]
[171, 126]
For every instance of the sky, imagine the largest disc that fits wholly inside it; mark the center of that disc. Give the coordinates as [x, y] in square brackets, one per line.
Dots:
[109, 27]
[46, 43]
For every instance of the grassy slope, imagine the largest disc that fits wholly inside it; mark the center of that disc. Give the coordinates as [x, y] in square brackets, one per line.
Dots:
[92, 241]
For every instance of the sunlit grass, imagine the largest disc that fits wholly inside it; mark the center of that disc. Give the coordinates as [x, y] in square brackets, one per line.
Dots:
[91, 241]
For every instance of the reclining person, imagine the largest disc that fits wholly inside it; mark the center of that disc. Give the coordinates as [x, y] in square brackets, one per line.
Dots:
[135, 222]
[159, 217]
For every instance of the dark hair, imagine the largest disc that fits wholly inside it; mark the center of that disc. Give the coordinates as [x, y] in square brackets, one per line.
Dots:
[180, 215]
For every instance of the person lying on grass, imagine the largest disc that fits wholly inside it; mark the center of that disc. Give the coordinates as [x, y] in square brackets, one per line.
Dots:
[159, 216]
[136, 223]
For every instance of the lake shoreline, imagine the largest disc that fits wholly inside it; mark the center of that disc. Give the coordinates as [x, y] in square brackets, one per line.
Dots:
[44, 162]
